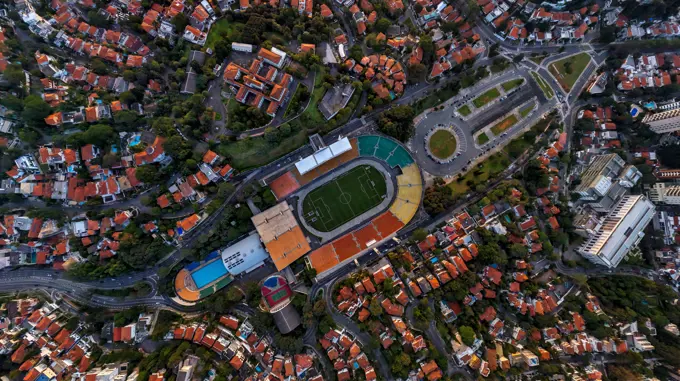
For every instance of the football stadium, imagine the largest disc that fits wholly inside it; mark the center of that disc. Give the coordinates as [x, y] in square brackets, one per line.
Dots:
[333, 206]
[330, 200]
[344, 198]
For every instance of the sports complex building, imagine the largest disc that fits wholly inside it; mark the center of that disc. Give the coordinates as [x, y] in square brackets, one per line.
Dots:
[335, 205]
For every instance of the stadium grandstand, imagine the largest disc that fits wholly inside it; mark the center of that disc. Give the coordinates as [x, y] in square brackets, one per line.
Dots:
[311, 167]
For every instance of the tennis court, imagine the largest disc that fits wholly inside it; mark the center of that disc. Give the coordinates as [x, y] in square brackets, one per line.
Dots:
[344, 198]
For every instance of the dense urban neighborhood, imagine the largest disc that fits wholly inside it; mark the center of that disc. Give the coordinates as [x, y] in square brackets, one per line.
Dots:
[339, 190]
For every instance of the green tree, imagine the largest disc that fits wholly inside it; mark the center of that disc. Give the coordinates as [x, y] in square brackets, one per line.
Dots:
[467, 334]
[35, 110]
[180, 22]
[382, 25]
[397, 122]
[14, 74]
[177, 147]
[147, 174]
[419, 235]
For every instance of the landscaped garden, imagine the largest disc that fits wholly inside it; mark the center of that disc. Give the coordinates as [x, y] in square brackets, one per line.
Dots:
[567, 70]
[442, 144]
[486, 97]
[478, 175]
[504, 124]
[547, 90]
[482, 138]
[219, 30]
[507, 86]
[526, 110]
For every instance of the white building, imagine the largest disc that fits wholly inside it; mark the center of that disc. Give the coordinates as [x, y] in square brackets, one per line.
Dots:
[605, 180]
[621, 230]
[665, 194]
[245, 255]
[665, 121]
[240, 47]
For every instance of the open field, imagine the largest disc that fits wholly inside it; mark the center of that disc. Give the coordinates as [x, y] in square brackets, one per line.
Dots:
[568, 77]
[504, 124]
[220, 28]
[464, 110]
[442, 144]
[507, 86]
[486, 97]
[538, 59]
[478, 175]
[526, 110]
[344, 198]
[547, 90]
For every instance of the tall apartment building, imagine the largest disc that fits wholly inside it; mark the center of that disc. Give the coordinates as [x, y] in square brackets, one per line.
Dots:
[622, 229]
[605, 180]
[662, 122]
[665, 194]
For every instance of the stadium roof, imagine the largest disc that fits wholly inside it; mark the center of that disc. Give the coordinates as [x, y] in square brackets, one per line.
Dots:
[281, 234]
[244, 255]
[323, 155]
[341, 146]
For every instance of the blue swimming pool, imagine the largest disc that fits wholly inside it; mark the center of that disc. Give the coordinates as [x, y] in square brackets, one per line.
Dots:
[209, 273]
[135, 140]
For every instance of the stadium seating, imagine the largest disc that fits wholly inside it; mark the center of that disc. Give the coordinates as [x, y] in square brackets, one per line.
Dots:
[385, 148]
[183, 277]
[411, 175]
[387, 224]
[367, 145]
[405, 206]
[404, 210]
[323, 258]
[400, 158]
[410, 193]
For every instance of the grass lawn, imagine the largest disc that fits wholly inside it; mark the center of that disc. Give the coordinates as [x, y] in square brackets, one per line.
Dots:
[344, 198]
[464, 110]
[482, 138]
[442, 144]
[296, 94]
[435, 99]
[504, 124]
[256, 152]
[312, 112]
[491, 167]
[219, 28]
[547, 90]
[578, 63]
[538, 59]
[507, 86]
[486, 97]
[526, 110]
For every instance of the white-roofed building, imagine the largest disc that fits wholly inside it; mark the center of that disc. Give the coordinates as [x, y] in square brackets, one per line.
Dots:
[622, 229]
[245, 255]
[323, 155]
[341, 146]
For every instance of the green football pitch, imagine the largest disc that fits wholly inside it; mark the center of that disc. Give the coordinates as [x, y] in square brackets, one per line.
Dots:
[344, 198]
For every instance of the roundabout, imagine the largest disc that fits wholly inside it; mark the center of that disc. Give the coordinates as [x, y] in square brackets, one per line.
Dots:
[441, 143]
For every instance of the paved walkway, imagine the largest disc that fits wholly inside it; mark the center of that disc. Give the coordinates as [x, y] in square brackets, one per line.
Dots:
[389, 196]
